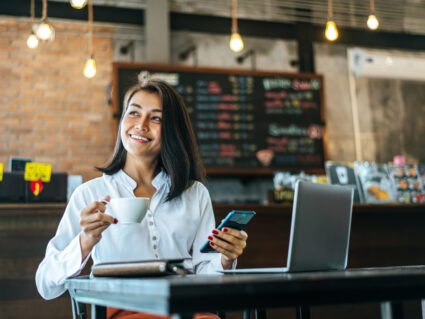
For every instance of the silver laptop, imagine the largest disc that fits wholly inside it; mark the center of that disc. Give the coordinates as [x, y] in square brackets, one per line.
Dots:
[320, 229]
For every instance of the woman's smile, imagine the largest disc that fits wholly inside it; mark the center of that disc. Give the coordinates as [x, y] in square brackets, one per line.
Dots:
[140, 138]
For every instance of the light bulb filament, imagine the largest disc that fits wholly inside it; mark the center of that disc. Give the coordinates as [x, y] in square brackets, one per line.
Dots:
[90, 68]
[372, 22]
[78, 4]
[331, 31]
[32, 41]
[236, 43]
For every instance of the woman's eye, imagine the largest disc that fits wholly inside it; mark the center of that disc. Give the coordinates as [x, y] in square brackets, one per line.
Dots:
[133, 113]
[156, 118]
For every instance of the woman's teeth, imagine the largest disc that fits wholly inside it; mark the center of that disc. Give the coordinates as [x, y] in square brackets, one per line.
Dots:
[140, 138]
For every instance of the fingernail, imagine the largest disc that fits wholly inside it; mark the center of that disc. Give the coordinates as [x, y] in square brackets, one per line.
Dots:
[115, 221]
[215, 232]
[225, 230]
[210, 238]
[211, 243]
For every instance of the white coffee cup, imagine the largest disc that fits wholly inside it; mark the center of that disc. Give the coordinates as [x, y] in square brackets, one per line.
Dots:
[128, 210]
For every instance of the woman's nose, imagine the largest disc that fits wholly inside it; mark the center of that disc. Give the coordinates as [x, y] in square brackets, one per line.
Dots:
[143, 123]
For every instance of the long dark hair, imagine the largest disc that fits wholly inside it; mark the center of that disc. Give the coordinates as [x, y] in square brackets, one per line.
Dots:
[179, 155]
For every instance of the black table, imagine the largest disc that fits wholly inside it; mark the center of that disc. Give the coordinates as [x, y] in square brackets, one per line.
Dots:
[200, 293]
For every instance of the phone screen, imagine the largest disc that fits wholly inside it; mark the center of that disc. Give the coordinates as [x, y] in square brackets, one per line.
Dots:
[235, 219]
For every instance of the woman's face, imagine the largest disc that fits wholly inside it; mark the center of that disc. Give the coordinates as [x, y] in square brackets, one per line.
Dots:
[141, 126]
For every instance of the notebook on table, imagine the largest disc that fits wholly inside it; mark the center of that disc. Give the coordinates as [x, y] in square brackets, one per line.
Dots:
[320, 230]
[140, 268]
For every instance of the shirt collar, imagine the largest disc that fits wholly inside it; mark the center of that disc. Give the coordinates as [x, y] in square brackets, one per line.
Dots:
[159, 180]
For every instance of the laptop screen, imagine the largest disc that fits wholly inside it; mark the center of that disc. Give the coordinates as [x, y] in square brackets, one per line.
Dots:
[320, 227]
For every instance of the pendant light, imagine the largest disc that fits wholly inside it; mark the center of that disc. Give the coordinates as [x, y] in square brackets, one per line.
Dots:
[372, 21]
[90, 66]
[78, 4]
[236, 43]
[331, 32]
[32, 41]
[44, 30]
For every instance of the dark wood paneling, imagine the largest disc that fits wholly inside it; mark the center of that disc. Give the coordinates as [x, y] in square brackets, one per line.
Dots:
[382, 235]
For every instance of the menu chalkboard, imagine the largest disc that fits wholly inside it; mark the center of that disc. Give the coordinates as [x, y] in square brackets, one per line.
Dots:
[244, 121]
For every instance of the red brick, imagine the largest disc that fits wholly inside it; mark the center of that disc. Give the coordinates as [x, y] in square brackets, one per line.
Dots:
[83, 168]
[48, 116]
[31, 93]
[55, 138]
[20, 130]
[52, 123]
[10, 121]
[40, 129]
[21, 145]
[29, 108]
[30, 138]
[22, 85]
[55, 94]
[43, 145]
[72, 117]
[5, 42]
[9, 107]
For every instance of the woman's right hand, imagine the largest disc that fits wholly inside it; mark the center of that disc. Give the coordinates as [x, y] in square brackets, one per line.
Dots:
[93, 222]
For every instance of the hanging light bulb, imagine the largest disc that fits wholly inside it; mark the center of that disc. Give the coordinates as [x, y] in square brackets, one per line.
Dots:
[44, 31]
[90, 67]
[331, 32]
[235, 43]
[32, 41]
[372, 22]
[78, 4]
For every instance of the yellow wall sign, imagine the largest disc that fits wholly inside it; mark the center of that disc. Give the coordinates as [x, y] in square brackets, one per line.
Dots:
[1, 172]
[36, 171]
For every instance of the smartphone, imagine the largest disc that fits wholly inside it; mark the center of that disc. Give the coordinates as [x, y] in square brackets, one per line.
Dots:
[236, 219]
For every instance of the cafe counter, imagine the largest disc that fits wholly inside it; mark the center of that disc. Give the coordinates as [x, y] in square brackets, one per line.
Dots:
[381, 235]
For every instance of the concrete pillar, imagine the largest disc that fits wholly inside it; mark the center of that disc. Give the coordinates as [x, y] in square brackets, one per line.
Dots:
[157, 28]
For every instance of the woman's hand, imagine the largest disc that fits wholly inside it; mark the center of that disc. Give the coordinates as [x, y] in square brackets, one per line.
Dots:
[93, 222]
[230, 243]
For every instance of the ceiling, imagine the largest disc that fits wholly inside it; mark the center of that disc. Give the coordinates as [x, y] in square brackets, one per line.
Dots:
[393, 15]
[400, 16]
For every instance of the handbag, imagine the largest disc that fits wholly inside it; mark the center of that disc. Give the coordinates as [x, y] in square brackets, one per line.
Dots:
[140, 268]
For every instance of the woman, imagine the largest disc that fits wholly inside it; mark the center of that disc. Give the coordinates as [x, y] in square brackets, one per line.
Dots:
[155, 156]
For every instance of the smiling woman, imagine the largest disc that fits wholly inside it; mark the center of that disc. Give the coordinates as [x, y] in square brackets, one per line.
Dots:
[171, 131]
[155, 156]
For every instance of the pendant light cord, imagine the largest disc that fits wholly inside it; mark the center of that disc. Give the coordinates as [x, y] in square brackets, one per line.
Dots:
[330, 9]
[90, 45]
[44, 10]
[372, 5]
[234, 12]
[32, 11]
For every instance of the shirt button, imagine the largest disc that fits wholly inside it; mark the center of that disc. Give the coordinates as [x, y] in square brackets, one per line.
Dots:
[150, 223]
[149, 215]
[154, 246]
[156, 255]
[154, 238]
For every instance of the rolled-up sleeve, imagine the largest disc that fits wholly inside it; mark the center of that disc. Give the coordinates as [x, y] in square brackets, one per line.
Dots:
[63, 256]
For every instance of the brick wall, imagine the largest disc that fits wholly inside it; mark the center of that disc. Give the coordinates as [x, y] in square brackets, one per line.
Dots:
[48, 110]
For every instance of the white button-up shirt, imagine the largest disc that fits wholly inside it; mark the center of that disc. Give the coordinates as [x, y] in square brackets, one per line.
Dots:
[170, 230]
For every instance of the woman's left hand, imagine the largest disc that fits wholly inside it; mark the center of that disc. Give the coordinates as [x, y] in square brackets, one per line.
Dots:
[230, 243]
